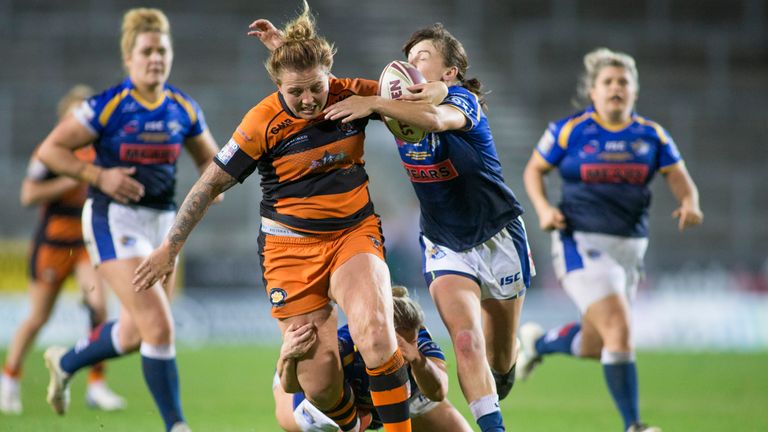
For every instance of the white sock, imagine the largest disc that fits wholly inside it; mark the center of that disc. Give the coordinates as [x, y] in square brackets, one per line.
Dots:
[484, 405]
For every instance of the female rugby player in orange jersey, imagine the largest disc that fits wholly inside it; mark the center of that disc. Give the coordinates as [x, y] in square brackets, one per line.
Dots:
[321, 240]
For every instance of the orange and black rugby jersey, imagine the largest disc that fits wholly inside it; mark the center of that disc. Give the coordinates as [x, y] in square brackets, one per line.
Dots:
[312, 171]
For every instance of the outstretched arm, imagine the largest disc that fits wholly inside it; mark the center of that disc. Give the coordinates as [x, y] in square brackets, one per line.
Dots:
[161, 261]
[685, 191]
[426, 114]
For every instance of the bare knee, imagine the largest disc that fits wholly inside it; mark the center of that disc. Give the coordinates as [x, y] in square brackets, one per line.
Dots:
[468, 344]
[616, 335]
[158, 335]
[374, 337]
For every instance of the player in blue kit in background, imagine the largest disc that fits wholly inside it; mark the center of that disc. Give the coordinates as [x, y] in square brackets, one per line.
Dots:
[607, 155]
[430, 409]
[475, 250]
[138, 129]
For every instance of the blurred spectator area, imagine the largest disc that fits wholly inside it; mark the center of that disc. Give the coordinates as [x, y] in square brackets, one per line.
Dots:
[703, 73]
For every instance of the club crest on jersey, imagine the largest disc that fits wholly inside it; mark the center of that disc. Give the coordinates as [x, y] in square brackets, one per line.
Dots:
[435, 252]
[128, 241]
[640, 147]
[277, 297]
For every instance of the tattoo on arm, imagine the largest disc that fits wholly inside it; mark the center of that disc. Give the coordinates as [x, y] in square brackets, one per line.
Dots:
[213, 182]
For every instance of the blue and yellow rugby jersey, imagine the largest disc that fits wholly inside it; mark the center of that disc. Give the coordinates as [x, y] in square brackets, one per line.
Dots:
[133, 132]
[458, 179]
[312, 171]
[354, 367]
[606, 171]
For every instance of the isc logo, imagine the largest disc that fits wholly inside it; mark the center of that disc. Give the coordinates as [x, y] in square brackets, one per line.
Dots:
[506, 280]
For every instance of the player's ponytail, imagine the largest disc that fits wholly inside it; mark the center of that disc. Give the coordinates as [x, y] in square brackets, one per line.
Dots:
[302, 49]
[594, 62]
[453, 53]
[408, 313]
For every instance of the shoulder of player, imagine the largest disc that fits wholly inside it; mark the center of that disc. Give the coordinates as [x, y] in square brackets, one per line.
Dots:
[562, 129]
[179, 95]
[267, 118]
[339, 88]
[652, 128]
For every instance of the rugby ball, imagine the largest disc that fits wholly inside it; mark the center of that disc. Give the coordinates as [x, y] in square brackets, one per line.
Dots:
[395, 79]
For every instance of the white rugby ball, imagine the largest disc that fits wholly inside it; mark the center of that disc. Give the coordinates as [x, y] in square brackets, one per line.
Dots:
[395, 78]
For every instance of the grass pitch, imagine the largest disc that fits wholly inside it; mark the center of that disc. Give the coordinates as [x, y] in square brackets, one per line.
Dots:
[229, 389]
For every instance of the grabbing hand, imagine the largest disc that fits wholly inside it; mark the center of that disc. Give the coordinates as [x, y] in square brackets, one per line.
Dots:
[119, 185]
[351, 108]
[432, 92]
[268, 34]
[298, 340]
[410, 351]
[155, 268]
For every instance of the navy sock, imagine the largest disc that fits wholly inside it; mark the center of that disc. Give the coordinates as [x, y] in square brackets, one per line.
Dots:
[487, 413]
[621, 378]
[558, 340]
[88, 352]
[162, 378]
[491, 422]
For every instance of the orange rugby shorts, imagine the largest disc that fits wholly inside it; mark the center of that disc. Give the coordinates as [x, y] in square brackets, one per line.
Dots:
[51, 265]
[297, 270]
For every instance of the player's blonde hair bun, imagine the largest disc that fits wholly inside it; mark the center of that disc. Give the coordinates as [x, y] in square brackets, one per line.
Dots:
[408, 313]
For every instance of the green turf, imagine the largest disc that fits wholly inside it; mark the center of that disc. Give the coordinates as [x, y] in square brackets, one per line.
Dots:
[228, 389]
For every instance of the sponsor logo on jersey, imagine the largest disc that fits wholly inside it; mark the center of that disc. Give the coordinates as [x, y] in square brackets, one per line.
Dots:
[158, 137]
[615, 146]
[277, 297]
[327, 159]
[127, 241]
[85, 111]
[131, 127]
[226, 152]
[590, 148]
[462, 103]
[439, 172]
[154, 126]
[631, 173]
[280, 126]
[546, 142]
[244, 135]
[148, 154]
